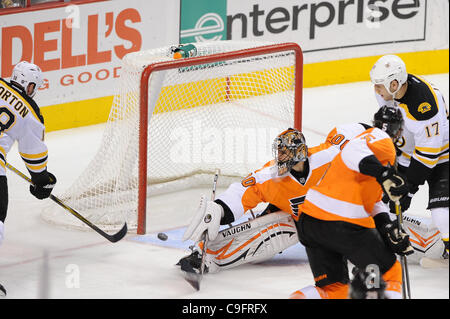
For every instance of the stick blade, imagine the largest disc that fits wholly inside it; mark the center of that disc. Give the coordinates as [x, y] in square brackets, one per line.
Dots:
[119, 235]
[193, 279]
[190, 275]
[2, 291]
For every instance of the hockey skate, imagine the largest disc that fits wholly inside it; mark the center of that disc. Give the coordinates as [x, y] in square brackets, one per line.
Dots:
[192, 262]
[445, 253]
[191, 265]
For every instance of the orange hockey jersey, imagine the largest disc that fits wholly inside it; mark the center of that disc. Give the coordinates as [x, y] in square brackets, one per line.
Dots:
[346, 194]
[287, 192]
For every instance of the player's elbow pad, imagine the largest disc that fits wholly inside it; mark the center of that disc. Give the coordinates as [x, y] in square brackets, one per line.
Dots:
[370, 165]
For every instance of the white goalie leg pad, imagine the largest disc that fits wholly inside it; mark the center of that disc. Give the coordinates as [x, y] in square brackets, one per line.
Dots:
[424, 236]
[256, 240]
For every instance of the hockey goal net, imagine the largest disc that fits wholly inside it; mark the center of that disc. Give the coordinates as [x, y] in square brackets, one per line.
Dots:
[173, 122]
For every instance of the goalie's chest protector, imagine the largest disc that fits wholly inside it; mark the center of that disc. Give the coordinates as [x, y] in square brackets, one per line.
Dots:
[344, 193]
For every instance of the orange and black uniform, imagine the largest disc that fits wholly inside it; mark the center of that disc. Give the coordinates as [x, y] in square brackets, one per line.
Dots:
[337, 221]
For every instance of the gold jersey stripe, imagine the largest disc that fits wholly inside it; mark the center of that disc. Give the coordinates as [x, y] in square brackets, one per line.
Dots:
[428, 161]
[36, 168]
[406, 155]
[34, 156]
[432, 149]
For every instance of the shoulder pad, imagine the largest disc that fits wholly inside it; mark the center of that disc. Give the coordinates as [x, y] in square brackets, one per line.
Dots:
[419, 102]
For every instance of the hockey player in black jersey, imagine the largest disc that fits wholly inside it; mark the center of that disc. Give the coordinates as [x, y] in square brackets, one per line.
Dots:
[423, 147]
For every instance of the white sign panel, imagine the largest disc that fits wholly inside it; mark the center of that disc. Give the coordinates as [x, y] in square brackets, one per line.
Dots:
[326, 30]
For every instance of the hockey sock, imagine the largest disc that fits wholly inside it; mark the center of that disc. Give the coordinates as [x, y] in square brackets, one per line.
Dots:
[393, 279]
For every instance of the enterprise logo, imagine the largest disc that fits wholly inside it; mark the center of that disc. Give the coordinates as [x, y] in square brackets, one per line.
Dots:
[208, 23]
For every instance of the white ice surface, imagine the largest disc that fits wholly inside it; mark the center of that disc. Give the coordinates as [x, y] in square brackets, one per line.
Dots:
[81, 264]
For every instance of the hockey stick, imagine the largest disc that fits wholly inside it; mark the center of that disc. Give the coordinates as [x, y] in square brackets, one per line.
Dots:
[191, 275]
[112, 238]
[2, 291]
[406, 289]
[205, 234]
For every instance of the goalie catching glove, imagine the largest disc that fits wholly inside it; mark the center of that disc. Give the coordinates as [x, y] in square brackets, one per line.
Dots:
[41, 187]
[207, 218]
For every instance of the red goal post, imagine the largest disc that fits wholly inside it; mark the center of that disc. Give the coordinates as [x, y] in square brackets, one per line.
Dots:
[160, 66]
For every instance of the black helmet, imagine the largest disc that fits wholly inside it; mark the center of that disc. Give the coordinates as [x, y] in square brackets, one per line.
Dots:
[390, 120]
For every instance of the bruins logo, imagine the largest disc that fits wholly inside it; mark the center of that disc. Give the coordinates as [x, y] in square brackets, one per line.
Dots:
[400, 142]
[424, 107]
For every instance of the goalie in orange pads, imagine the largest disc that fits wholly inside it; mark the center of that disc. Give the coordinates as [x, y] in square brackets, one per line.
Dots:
[282, 182]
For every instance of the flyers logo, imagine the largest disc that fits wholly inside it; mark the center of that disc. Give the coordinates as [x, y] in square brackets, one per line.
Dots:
[424, 107]
[295, 202]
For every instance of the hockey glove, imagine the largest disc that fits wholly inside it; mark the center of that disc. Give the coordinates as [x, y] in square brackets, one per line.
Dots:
[207, 218]
[405, 201]
[42, 191]
[396, 238]
[393, 184]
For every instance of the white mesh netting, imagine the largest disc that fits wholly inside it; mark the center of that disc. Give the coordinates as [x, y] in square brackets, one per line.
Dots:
[221, 115]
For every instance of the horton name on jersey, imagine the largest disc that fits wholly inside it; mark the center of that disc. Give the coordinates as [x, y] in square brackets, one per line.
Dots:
[10, 98]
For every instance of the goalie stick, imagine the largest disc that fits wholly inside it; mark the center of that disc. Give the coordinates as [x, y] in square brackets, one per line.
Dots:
[191, 276]
[112, 238]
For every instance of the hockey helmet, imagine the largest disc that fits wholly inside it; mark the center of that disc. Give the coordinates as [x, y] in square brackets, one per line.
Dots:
[387, 69]
[289, 148]
[390, 120]
[25, 73]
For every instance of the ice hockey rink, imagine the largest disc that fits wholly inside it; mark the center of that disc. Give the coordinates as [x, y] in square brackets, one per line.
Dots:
[40, 260]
